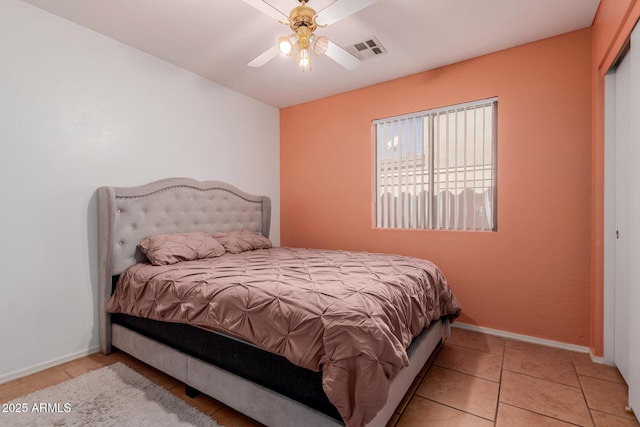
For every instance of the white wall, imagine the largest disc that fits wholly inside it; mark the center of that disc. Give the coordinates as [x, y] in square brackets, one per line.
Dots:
[78, 111]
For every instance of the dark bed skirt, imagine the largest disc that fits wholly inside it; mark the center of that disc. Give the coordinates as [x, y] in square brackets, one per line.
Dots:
[262, 367]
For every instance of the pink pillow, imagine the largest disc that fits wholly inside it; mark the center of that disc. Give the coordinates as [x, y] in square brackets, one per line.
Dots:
[241, 241]
[164, 249]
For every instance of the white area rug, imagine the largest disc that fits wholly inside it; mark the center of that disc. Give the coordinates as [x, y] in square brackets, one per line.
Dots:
[111, 396]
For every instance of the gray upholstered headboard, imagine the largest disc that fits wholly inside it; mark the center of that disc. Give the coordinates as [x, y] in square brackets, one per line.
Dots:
[127, 215]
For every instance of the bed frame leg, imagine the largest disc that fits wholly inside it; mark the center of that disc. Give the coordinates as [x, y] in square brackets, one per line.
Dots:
[190, 391]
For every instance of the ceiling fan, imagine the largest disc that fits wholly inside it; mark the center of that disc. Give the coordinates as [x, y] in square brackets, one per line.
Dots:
[303, 21]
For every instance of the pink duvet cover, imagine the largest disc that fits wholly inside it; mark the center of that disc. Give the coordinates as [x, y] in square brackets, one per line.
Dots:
[350, 314]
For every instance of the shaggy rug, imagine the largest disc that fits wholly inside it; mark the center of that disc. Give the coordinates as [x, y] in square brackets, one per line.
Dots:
[111, 396]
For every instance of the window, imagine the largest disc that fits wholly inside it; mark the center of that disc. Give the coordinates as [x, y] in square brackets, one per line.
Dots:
[436, 169]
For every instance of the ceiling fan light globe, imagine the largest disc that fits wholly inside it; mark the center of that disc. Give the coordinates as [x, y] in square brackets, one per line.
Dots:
[320, 45]
[285, 45]
[304, 59]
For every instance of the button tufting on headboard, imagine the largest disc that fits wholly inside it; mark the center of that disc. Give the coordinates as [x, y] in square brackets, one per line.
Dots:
[173, 206]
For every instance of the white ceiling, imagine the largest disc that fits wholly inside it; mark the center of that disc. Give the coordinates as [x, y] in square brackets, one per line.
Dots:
[216, 38]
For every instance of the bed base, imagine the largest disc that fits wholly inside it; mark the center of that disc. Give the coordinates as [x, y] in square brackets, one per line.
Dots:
[260, 403]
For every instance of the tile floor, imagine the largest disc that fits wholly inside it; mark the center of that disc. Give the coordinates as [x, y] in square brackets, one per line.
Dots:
[475, 380]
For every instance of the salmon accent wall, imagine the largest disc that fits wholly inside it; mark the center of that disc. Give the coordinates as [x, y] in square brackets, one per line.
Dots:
[611, 27]
[532, 276]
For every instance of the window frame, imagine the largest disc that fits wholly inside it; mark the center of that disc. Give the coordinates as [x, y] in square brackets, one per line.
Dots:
[426, 205]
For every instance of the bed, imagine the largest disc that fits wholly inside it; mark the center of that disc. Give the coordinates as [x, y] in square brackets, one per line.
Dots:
[268, 382]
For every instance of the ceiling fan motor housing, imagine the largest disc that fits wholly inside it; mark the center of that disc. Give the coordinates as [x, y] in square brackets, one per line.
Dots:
[303, 16]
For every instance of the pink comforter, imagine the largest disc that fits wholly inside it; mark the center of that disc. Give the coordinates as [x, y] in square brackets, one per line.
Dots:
[350, 314]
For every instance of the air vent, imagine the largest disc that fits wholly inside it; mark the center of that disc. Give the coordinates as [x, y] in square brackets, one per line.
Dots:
[366, 49]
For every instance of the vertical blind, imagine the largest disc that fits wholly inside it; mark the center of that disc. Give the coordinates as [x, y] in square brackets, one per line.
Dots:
[436, 169]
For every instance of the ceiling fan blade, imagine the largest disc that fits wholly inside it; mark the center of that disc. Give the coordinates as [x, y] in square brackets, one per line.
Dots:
[264, 57]
[267, 9]
[342, 57]
[340, 9]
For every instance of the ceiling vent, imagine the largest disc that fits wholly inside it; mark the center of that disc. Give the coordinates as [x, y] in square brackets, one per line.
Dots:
[366, 49]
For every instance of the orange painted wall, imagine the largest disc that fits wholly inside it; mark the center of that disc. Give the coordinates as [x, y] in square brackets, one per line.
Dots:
[532, 276]
[611, 28]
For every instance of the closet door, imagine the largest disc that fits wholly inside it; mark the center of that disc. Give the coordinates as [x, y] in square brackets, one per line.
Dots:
[627, 225]
[634, 252]
[623, 169]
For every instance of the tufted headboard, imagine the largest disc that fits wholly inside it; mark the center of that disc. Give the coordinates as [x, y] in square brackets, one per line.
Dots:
[127, 215]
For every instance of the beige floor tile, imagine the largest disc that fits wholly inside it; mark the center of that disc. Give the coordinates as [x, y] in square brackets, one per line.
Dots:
[472, 362]
[425, 413]
[476, 341]
[607, 420]
[545, 365]
[585, 366]
[606, 396]
[545, 397]
[510, 416]
[465, 392]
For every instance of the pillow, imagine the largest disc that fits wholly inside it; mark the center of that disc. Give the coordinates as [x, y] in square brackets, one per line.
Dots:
[243, 240]
[164, 249]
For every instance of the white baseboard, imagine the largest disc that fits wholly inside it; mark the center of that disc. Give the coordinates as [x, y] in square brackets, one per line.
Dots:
[528, 338]
[42, 366]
